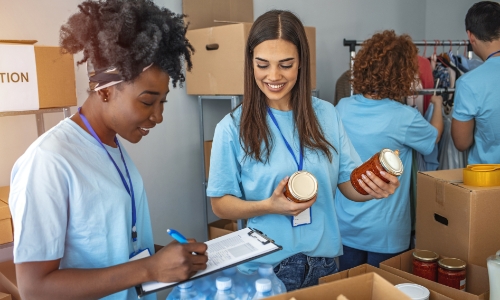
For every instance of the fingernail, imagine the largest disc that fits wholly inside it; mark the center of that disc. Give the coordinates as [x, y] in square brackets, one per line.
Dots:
[369, 173]
[382, 172]
[286, 178]
[363, 176]
[359, 180]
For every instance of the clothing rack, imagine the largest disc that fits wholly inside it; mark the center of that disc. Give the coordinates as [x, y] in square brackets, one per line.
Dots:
[434, 91]
[353, 43]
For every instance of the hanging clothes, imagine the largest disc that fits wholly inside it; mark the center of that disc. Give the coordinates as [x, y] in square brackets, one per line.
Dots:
[448, 156]
[426, 78]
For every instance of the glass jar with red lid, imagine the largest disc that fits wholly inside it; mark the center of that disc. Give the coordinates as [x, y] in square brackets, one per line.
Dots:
[452, 273]
[425, 264]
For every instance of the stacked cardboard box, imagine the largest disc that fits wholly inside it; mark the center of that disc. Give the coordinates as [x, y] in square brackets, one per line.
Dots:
[52, 76]
[218, 63]
[220, 228]
[6, 229]
[454, 220]
[8, 281]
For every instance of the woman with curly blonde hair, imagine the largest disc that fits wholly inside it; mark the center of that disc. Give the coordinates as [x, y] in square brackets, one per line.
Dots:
[385, 72]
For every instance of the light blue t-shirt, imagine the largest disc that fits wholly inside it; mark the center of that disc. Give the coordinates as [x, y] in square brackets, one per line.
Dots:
[233, 174]
[477, 96]
[68, 202]
[384, 225]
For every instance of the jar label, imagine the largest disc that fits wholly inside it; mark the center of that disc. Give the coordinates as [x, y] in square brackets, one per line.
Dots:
[462, 285]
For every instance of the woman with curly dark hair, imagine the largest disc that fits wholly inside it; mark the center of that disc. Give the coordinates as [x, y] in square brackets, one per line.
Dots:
[278, 130]
[78, 202]
[385, 71]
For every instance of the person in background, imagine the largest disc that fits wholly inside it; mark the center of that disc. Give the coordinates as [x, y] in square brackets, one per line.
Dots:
[77, 200]
[277, 130]
[476, 124]
[385, 71]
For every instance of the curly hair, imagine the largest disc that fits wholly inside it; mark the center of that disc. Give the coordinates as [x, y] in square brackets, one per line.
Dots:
[128, 35]
[386, 66]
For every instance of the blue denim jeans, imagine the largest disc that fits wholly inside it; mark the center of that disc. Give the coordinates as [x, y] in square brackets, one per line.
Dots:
[353, 257]
[300, 271]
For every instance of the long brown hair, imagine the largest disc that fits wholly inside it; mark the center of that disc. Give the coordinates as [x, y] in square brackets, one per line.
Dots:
[273, 25]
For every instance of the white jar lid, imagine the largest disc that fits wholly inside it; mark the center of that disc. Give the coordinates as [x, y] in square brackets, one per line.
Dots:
[414, 291]
[303, 185]
[263, 285]
[391, 162]
[223, 283]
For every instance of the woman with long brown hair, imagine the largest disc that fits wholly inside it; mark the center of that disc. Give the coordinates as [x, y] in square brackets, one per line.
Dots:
[278, 130]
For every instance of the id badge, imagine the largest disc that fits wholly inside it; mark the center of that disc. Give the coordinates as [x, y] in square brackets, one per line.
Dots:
[303, 218]
[141, 253]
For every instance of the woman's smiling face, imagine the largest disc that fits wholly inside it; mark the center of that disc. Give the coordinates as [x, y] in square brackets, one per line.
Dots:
[276, 68]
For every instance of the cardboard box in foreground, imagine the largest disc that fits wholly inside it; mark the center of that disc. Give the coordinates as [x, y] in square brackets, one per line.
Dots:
[365, 268]
[219, 60]
[477, 285]
[369, 286]
[455, 220]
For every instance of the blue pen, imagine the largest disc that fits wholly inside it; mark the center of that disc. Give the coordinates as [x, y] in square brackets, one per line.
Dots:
[177, 236]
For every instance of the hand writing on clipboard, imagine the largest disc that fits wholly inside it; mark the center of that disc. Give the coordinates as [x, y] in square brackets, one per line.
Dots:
[175, 262]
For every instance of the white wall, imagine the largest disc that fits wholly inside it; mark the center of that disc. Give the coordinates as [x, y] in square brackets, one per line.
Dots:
[170, 157]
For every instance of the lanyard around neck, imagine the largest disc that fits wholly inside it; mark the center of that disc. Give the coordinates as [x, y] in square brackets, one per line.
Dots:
[496, 52]
[300, 162]
[130, 190]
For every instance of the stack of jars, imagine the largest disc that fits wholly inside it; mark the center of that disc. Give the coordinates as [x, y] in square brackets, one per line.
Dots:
[447, 271]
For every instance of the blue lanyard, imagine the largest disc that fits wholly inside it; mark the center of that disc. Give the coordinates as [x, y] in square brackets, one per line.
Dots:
[129, 191]
[299, 163]
[493, 54]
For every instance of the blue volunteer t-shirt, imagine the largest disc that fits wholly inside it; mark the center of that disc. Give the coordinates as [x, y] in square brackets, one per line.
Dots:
[233, 174]
[478, 97]
[68, 202]
[381, 225]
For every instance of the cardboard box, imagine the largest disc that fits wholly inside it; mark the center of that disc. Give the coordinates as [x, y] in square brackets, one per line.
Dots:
[366, 268]
[211, 13]
[207, 149]
[219, 60]
[220, 228]
[8, 281]
[477, 285]
[4, 193]
[4, 296]
[455, 220]
[6, 229]
[362, 287]
[54, 72]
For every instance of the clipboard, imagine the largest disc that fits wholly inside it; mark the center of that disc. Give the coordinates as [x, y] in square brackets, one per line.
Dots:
[241, 246]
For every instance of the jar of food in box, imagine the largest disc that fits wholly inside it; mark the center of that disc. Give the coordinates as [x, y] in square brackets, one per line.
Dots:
[386, 160]
[452, 272]
[425, 264]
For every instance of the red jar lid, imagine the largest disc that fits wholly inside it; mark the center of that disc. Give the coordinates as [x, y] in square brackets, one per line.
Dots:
[425, 255]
